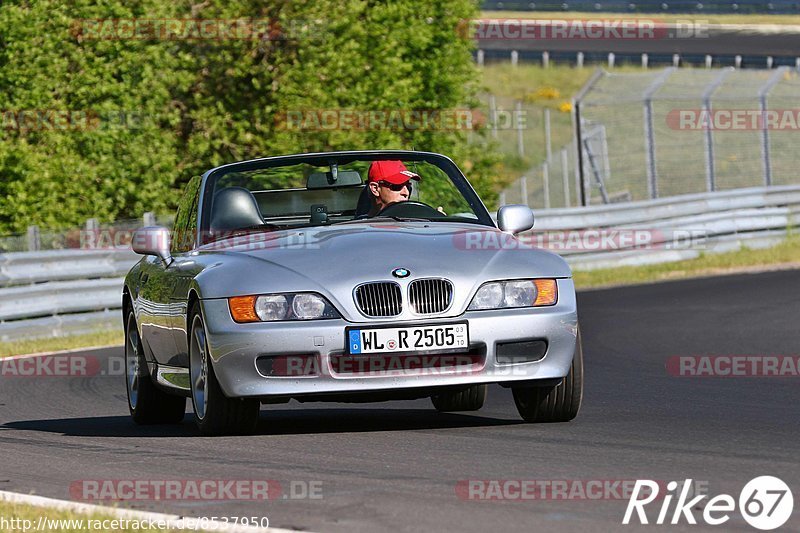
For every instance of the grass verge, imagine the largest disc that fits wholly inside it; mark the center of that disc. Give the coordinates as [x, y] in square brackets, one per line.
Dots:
[784, 255]
[49, 344]
[23, 517]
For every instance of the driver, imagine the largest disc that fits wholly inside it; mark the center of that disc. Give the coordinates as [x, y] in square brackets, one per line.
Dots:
[389, 182]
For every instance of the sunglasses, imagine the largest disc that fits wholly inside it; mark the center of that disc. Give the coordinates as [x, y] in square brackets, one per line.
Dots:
[397, 187]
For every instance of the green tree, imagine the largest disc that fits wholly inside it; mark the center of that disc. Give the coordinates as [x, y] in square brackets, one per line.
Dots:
[158, 111]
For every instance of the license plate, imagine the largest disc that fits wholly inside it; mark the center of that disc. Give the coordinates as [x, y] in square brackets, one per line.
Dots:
[408, 339]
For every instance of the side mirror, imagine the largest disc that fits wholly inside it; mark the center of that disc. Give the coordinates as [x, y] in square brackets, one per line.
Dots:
[152, 240]
[515, 218]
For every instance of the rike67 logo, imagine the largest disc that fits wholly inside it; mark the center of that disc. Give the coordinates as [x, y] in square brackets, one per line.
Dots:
[765, 503]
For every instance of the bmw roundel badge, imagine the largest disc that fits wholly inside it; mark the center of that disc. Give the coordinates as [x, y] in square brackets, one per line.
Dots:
[400, 273]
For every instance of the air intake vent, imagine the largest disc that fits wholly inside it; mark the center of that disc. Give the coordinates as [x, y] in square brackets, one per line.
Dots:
[381, 298]
[430, 296]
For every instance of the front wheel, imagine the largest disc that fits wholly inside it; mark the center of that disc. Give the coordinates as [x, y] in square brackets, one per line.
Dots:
[214, 413]
[147, 403]
[554, 404]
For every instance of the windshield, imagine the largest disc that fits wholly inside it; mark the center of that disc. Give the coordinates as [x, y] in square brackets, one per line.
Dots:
[299, 193]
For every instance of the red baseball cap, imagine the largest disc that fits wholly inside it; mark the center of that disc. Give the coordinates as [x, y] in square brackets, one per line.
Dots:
[392, 171]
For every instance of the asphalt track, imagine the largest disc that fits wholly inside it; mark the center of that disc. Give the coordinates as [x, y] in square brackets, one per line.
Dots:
[395, 466]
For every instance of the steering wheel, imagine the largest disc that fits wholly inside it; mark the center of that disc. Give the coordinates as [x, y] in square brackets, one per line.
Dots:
[410, 209]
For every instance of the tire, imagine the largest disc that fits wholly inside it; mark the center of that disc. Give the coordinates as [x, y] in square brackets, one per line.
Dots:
[554, 404]
[469, 399]
[147, 403]
[214, 413]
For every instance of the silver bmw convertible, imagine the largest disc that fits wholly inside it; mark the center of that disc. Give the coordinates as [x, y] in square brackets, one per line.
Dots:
[345, 277]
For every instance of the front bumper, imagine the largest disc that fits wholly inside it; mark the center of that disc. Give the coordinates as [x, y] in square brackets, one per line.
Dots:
[234, 349]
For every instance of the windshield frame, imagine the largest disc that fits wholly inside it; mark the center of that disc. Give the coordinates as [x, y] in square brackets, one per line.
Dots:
[340, 158]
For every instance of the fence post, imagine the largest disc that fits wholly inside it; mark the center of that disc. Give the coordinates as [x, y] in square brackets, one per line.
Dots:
[547, 138]
[514, 58]
[762, 102]
[565, 176]
[711, 184]
[604, 152]
[546, 181]
[649, 132]
[149, 219]
[520, 139]
[480, 57]
[523, 189]
[579, 60]
[545, 59]
[584, 198]
[34, 238]
[493, 114]
[576, 154]
[576, 124]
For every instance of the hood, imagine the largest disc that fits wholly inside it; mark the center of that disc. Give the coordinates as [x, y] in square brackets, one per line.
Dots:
[334, 259]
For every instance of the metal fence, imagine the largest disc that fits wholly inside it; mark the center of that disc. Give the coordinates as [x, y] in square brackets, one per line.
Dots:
[67, 282]
[76, 238]
[59, 292]
[664, 133]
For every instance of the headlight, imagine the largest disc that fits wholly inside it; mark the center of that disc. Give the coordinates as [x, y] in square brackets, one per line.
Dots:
[270, 308]
[276, 307]
[519, 293]
[515, 293]
[307, 306]
[490, 296]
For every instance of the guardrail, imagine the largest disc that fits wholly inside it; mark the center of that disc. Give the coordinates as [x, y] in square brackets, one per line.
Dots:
[676, 228]
[52, 293]
[60, 292]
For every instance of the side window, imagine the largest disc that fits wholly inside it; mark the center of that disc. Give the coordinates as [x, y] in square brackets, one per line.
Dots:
[185, 228]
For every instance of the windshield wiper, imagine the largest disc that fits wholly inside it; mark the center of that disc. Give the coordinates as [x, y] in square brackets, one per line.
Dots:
[411, 219]
[382, 219]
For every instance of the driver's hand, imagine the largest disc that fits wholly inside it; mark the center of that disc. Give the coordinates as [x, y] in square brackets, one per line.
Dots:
[441, 210]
